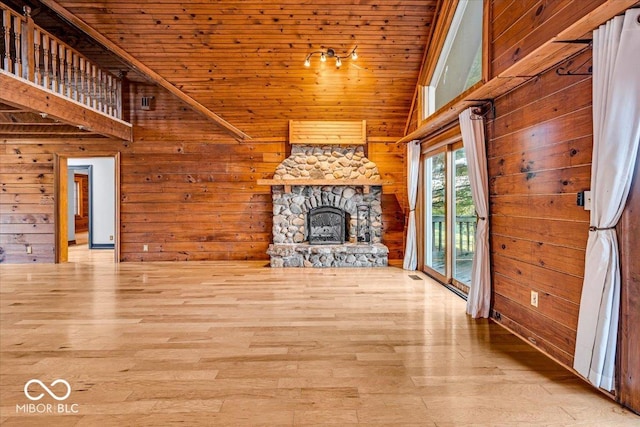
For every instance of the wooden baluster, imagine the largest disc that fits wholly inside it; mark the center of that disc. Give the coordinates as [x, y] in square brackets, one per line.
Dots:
[105, 92]
[100, 91]
[82, 88]
[119, 100]
[62, 82]
[6, 28]
[69, 63]
[114, 96]
[94, 88]
[88, 84]
[76, 77]
[114, 82]
[108, 94]
[28, 48]
[119, 89]
[36, 57]
[54, 65]
[17, 36]
[46, 77]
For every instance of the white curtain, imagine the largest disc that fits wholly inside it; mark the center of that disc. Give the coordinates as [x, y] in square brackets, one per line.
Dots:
[413, 167]
[616, 134]
[472, 127]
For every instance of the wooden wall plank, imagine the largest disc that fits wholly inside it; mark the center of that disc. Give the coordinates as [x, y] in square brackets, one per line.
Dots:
[521, 33]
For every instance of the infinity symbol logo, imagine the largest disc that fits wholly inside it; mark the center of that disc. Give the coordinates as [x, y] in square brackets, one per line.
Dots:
[45, 388]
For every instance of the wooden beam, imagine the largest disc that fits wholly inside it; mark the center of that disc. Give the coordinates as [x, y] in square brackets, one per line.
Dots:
[24, 94]
[544, 57]
[143, 69]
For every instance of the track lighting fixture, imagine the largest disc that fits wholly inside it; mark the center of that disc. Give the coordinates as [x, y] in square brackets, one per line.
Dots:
[331, 53]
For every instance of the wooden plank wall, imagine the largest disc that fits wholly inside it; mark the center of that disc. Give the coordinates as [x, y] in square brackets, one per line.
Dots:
[188, 190]
[539, 158]
[389, 156]
[518, 27]
[629, 337]
[27, 209]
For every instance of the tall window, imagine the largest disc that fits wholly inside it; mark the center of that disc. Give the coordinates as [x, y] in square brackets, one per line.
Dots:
[449, 216]
[459, 64]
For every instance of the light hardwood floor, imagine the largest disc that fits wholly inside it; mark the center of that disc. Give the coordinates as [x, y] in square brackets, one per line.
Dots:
[238, 343]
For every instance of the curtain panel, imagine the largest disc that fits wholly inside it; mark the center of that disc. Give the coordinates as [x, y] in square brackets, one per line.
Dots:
[410, 261]
[616, 134]
[473, 140]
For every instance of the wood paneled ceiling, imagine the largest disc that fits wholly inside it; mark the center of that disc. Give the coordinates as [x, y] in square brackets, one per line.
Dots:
[244, 60]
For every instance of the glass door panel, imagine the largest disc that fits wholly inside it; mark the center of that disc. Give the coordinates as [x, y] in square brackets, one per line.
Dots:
[465, 220]
[435, 213]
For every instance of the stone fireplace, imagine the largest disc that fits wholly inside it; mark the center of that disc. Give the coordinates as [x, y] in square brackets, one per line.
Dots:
[326, 209]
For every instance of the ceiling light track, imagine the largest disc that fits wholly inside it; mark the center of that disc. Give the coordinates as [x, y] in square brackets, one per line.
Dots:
[331, 53]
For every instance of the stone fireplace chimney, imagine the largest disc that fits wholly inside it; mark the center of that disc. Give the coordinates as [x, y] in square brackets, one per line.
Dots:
[327, 208]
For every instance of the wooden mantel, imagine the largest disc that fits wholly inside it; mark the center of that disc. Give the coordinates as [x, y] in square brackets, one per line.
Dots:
[366, 184]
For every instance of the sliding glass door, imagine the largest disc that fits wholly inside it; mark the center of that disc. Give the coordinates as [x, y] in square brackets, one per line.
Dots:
[435, 173]
[449, 220]
[465, 220]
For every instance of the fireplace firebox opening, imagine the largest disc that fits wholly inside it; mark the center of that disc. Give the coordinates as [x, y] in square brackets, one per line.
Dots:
[327, 225]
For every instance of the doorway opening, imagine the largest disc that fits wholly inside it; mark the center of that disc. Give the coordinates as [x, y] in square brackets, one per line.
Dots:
[87, 208]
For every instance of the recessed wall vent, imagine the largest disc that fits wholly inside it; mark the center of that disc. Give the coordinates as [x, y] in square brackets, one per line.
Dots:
[145, 103]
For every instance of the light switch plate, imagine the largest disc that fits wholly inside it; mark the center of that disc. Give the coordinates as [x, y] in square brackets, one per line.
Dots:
[587, 200]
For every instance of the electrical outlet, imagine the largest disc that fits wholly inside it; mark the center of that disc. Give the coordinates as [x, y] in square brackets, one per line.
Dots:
[29, 250]
[110, 237]
[534, 298]
[145, 248]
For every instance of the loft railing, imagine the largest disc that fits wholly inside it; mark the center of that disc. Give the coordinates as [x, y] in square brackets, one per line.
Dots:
[31, 53]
